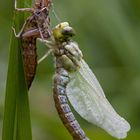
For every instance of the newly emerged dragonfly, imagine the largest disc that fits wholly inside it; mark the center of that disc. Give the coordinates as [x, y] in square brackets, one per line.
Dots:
[74, 80]
[35, 26]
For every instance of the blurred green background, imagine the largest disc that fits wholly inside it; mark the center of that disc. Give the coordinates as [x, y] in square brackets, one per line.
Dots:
[108, 33]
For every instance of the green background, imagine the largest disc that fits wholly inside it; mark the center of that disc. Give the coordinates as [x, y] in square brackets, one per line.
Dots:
[108, 33]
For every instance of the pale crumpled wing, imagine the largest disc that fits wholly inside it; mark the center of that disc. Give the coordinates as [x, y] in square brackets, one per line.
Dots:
[87, 97]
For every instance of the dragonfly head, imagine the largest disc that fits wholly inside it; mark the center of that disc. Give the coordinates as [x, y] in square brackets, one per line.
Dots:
[63, 32]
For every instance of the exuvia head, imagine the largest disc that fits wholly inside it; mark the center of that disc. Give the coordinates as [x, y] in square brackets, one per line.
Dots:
[39, 4]
[39, 12]
[63, 32]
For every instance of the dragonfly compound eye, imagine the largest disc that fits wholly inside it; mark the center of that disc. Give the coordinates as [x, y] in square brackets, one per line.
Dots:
[68, 31]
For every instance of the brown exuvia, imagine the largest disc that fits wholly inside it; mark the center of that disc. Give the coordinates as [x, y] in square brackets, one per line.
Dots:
[35, 26]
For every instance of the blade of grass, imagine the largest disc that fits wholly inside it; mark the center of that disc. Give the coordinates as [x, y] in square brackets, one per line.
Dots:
[23, 112]
[11, 93]
[16, 124]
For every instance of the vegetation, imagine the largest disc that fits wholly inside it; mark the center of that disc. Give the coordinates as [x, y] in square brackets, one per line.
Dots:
[108, 35]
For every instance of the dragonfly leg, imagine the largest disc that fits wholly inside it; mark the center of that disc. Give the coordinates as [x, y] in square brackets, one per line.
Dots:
[44, 56]
[32, 32]
[22, 9]
[47, 42]
[19, 34]
[16, 35]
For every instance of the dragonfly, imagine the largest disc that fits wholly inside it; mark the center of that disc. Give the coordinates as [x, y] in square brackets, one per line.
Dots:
[35, 26]
[75, 81]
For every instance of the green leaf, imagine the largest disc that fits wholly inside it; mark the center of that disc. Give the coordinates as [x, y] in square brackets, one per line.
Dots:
[16, 124]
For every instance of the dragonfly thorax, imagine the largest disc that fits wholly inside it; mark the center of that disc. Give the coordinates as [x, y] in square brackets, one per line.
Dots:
[65, 62]
[68, 56]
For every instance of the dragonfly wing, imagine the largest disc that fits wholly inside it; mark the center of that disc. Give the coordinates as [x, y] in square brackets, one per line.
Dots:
[88, 99]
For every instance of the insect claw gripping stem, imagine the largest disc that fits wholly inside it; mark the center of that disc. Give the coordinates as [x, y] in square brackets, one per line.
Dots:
[22, 9]
[14, 31]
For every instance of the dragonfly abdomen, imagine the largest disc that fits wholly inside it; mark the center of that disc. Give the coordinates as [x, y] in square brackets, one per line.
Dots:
[61, 79]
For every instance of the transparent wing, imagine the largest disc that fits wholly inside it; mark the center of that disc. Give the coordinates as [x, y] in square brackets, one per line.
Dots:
[88, 99]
